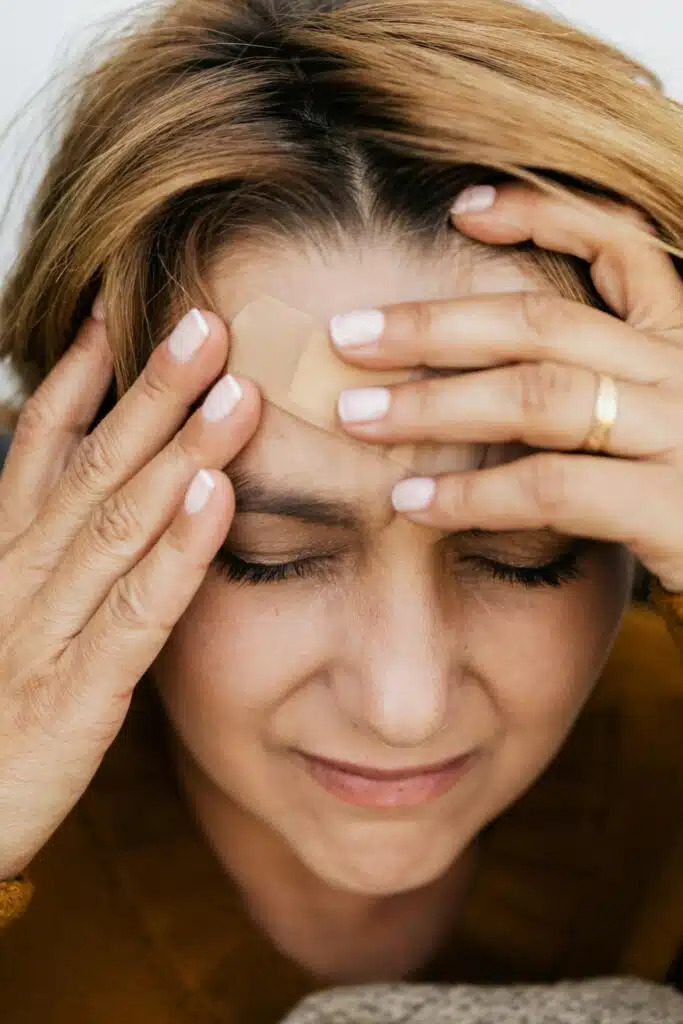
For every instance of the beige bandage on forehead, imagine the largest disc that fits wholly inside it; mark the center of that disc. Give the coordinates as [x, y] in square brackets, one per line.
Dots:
[289, 355]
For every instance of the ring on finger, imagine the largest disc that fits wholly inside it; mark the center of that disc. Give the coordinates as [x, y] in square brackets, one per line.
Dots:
[605, 412]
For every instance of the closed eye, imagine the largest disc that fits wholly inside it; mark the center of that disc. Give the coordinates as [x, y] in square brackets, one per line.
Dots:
[562, 569]
[238, 570]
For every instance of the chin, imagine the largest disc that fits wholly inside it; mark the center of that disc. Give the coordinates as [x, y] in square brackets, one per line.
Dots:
[386, 865]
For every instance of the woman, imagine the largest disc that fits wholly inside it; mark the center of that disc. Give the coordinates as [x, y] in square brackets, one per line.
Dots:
[336, 768]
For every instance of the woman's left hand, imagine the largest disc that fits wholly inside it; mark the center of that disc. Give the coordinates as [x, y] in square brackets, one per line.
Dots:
[540, 360]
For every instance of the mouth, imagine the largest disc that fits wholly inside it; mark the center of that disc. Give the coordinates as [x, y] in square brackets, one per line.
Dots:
[373, 787]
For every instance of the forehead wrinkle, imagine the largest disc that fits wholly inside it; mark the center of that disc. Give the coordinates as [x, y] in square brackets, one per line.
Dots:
[277, 427]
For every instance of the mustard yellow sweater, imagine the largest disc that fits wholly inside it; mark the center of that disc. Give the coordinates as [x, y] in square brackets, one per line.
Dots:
[134, 922]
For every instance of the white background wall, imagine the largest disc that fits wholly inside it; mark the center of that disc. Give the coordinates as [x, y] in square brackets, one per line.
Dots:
[39, 37]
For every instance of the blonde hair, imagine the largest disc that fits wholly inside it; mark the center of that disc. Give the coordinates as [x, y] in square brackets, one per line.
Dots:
[221, 118]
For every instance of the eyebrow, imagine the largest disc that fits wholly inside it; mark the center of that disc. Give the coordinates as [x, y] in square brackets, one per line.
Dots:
[254, 495]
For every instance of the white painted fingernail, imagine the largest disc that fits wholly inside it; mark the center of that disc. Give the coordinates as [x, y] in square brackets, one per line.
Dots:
[360, 405]
[199, 492]
[221, 399]
[475, 199]
[188, 336]
[358, 328]
[414, 494]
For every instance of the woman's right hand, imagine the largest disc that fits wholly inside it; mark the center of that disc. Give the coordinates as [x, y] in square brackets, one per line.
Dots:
[102, 547]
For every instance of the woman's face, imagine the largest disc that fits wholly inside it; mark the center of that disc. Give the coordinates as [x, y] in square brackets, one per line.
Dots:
[390, 647]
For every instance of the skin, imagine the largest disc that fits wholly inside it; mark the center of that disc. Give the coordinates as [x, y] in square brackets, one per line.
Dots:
[408, 650]
[405, 653]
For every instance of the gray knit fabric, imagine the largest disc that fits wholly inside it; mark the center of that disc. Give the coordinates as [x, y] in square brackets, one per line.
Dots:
[613, 1001]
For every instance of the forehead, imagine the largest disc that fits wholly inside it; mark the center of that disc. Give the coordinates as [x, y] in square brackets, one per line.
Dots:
[322, 283]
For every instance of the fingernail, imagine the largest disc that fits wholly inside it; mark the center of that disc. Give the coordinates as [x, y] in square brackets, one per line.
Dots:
[97, 312]
[363, 404]
[199, 492]
[221, 399]
[358, 328]
[413, 495]
[475, 199]
[188, 336]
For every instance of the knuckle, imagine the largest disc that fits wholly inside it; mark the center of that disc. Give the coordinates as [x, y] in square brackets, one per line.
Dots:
[36, 419]
[546, 485]
[422, 400]
[186, 452]
[459, 494]
[542, 314]
[115, 523]
[539, 388]
[152, 383]
[92, 463]
[419, 317]
[175, 542]
[128, 604]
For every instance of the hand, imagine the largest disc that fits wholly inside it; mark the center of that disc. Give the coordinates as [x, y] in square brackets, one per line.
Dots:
[539, 357]
[100, 555]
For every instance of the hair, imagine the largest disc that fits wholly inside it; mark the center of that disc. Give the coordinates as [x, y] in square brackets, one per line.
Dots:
[220, 120]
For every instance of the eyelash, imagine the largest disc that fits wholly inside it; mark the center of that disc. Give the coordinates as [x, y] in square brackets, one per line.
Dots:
[554, 574]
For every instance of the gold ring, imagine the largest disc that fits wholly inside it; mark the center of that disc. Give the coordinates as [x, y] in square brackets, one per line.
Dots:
[605, 414]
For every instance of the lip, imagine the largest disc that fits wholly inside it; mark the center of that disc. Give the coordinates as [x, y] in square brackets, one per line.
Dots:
[373, 787]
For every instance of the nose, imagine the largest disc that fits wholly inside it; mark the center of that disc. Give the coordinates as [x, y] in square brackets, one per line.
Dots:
[397, 681]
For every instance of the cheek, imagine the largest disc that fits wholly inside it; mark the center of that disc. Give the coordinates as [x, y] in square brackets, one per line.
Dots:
[550, 648]
[235, 656]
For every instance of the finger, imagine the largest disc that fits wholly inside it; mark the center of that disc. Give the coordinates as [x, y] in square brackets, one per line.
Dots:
[121, 530]
[632, 503]
[138, 427]
[104, 663]
[487, 330]
[637, 279]
[52, 422]
[543, 405]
